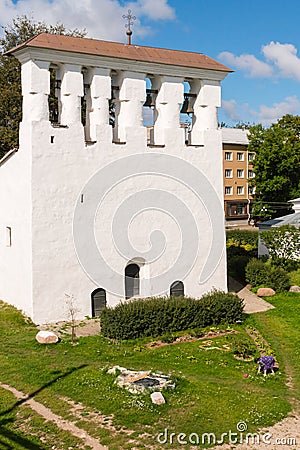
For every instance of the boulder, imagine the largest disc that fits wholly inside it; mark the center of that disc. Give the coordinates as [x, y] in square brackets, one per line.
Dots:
[265, 292]
[295, 289]
[46, 337]
[157, 398]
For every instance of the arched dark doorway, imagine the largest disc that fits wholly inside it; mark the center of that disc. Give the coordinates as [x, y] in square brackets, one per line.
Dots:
[98, 301]
[132, 280]
[177, 289]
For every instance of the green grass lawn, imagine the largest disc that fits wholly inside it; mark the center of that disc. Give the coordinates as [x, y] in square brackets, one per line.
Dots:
[211, 394]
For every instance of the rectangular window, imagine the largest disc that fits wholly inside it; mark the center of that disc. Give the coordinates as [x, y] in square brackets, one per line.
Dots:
[240, 190]
[228, 156]
[251, 156]
[251, 174]
[228, 173]
[240, 173]
[236, 210]
[8, 236]
[240, 156]
[228, 190]
[251, 190]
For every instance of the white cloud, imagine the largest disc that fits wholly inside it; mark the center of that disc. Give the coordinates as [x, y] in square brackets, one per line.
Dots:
[248, 63]
[155, 9]
[270, 114]
[284, 57]
[235, 112]
[101, 18]
[264, 115]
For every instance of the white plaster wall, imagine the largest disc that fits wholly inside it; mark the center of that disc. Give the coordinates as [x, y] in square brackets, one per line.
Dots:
[58, 169]
[15, 212]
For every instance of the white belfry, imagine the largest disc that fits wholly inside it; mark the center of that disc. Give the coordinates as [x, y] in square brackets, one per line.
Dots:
[83, 135]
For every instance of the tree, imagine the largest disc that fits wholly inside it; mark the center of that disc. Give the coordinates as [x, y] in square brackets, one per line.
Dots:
[276, 165]
[283, 244]
[20, 30]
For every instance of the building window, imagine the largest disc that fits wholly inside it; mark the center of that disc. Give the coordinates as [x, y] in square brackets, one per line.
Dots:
[240, 190]
[228, 190]
[251, 190]
[132, 281]
[228, 156]
[8, 236]
[251, 156]
[240, 156]
[177, 289]
[240, 173]
[234, 210]
[98, 301]
[228, 173]
[251, 174]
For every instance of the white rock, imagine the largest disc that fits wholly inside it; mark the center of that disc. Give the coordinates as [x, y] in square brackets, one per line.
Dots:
[294, 289]
[113, 370]
[157, 398]
[46, 337]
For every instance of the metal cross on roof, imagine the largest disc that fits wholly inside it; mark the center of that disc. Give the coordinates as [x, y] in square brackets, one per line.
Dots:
[130, 19]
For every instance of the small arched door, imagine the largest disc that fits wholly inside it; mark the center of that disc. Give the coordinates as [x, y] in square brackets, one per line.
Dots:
[98, 301]
[177, 289]
[132, 281]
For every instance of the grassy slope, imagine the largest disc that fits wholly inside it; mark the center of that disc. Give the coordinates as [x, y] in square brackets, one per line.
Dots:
[282, 327]
[211, 394]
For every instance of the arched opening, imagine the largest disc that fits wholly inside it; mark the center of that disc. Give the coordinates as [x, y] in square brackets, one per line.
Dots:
[54, 96]
[149, 110]
[187, 118]
[132, 281]
[177, 289]
[98, 301]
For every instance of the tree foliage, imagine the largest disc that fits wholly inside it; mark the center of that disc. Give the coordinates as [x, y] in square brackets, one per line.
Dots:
[20, 30]
[276, 165]
[283, 243]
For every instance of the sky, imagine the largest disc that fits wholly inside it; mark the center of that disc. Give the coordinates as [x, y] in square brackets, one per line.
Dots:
[258, 39]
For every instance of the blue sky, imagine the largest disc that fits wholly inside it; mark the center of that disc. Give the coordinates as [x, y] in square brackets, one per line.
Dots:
[259, 39]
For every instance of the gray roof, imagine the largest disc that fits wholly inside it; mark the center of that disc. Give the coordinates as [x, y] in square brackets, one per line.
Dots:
[235, 136]
[290, 219]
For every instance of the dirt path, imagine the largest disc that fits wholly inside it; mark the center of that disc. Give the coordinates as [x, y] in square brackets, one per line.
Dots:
[61, 423]
[284, 435]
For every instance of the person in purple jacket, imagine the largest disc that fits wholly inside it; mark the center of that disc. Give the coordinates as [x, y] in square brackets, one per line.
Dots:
[265, 363]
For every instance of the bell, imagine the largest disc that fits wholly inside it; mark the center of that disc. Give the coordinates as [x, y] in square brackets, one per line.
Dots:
[149, 101]
[186, 107]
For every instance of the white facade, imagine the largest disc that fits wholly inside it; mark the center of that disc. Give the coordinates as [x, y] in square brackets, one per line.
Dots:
[41, 183]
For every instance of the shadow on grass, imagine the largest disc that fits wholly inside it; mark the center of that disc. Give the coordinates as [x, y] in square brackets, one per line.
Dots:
[14, 438]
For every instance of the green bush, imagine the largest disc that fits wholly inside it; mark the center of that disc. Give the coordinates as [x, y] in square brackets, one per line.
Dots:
[158, 316]
[259, 273]
[278, 279]
[243, 348]
[255, 272]
[283, 244]
[295, 277]
[246, 239]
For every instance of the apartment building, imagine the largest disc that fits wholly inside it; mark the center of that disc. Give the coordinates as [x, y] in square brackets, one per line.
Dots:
[237, 174]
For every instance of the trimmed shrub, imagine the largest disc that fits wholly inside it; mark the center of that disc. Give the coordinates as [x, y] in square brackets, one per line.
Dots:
[158, 316]
[256, 272]
[259, 273]
[278, 279]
